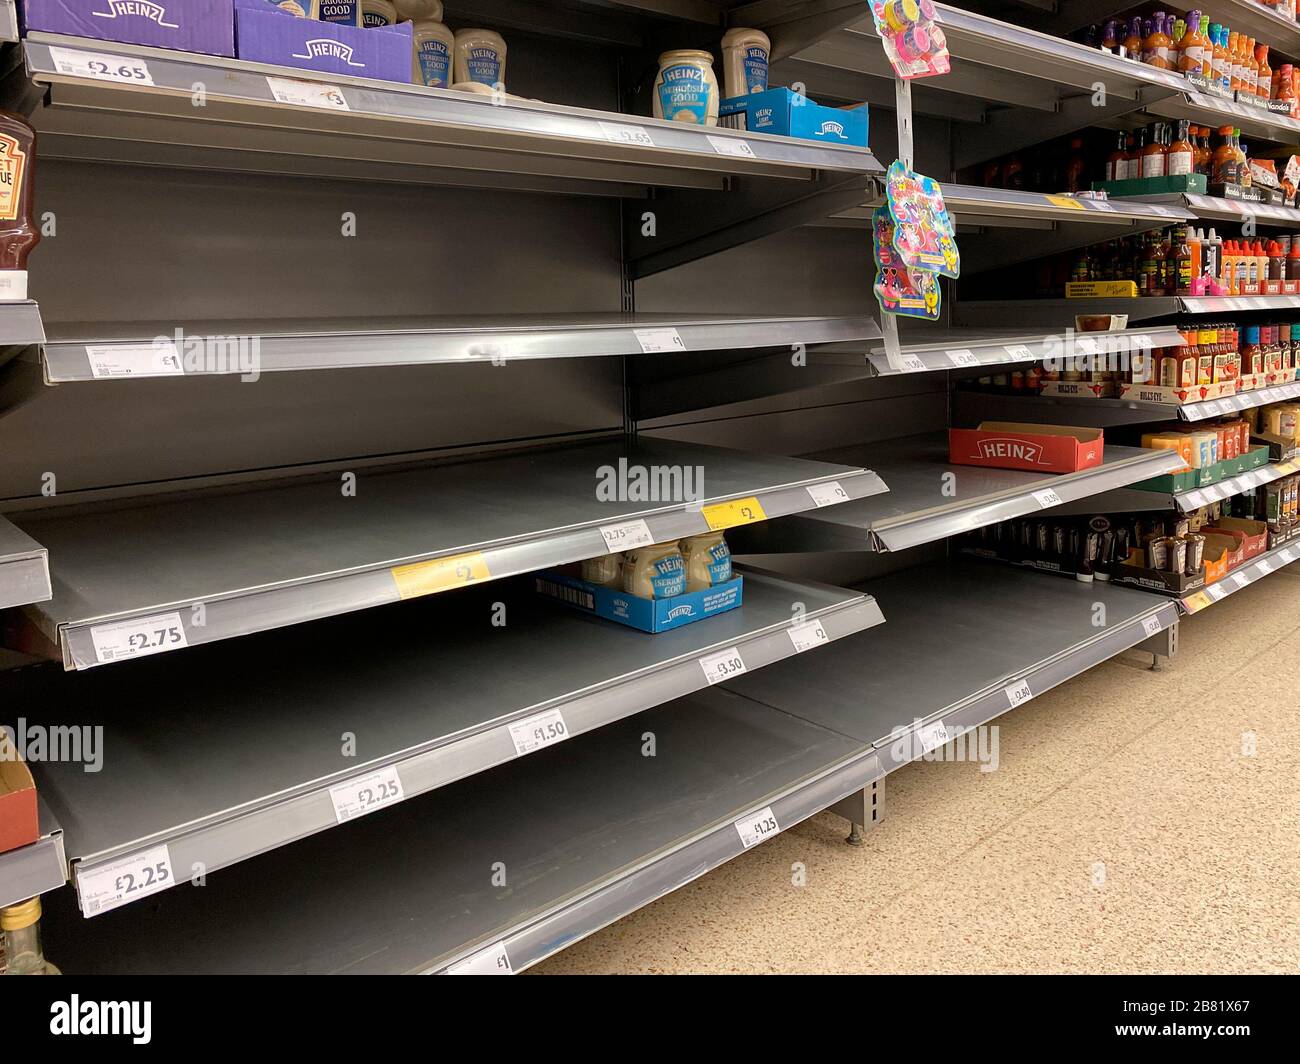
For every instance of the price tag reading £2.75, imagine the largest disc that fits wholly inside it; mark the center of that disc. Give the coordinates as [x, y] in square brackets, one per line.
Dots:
[361, 796]
[756, 827]
[101, 66]
[1018, 693]
[138, 638]
[627, 536]
[724, 665]
[118, 882]
[543, 729]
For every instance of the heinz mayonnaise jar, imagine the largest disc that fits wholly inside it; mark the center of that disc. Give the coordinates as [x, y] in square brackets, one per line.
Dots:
[413, 10]
[432, 47]
[607, 570]
[686, 89]
[378, 13]
[480, 56]
[708, 561]
[340, 12]
[744, 61]
[654, 572]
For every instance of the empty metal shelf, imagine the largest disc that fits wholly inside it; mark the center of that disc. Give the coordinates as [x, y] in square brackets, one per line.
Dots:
[24, 568]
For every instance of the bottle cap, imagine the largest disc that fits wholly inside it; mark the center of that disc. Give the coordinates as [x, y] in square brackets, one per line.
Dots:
[1252, 334]
[24, 914]
[1295, 331]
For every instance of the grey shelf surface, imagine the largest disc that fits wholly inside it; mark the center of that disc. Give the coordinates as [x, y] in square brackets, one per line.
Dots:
[247, 761]
[36, 868]
[1216, 209]
[590, 830]
[916, 509]
[586, 832]
[1057, 313]
[959, 635]
[244, 126]
[20, 324]
[83, 352]
[24, 568]
[1253, 121]
[279, 555]
[1036, 407]
[1136, 500]
[1243, 576]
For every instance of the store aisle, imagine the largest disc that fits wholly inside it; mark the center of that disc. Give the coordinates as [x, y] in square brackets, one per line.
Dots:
[1127, 828]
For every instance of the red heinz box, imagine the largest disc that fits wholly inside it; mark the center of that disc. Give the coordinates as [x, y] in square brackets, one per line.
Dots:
[1037, 448]
[18, 823]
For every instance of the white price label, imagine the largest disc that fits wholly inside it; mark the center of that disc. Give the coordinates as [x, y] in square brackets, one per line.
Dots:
[1151, 626]
[962, 358]
[1286, 556]
[828, 494]
[913, 364]
[1101, 205]
[1019, 351]
[138, 638]
[134, 360]
[932, 736]
[627, 536]
[1216, 591]
[1047, 497]
[808, 635]
[491, 961]
[1193, 499]
[724, 665]
[101, 66]
[758, 826]
[1265, 566]
[656, 341]
[1212, 407]
[728, 146]
[308, 94]
[364, 795]
[620, 134]
[1018, 693]
[1240, 579]
[126, 879]
[544, 729]
[1085, 345]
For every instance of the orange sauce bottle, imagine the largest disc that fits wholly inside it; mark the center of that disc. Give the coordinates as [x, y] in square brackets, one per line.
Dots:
[1181, 155]
[1191, 46]
[1157, 45]
[1265, 72]
[1234, 60]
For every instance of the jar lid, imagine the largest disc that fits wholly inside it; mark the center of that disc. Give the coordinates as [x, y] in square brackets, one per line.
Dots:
[24, 914]
[686, 53]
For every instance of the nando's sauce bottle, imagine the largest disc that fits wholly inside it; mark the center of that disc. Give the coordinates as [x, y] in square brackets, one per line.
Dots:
[18, 235]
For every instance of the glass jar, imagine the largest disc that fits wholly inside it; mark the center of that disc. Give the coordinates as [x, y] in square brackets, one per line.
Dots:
[686, 89]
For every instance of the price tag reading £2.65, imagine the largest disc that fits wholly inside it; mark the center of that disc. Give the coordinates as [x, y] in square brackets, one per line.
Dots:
[616, 133]
[1018, 693]
[724, 665]
[101, 66]
[756, 827]
[118, 882]
[138, 638]
[627, 536]
[361, 796]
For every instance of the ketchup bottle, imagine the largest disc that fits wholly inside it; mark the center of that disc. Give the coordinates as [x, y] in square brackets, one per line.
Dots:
[17, 233]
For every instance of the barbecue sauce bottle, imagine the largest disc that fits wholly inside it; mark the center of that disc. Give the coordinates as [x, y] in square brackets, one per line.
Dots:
[18, 235]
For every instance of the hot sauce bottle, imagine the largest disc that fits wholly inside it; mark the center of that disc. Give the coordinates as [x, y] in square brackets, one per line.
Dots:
[1155, 154]
[1181, 154]
[1191, 46]
[1132, 44]
[1156, 46]
[1265, 72]
[18, 235]
[1117, 161]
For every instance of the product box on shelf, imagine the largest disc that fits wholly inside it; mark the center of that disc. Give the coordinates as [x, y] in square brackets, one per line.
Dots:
[1255, 533]
[1101, 290]
[1038, 448]
[206, 26]
[1204, 476]
[1151, 186]
[649, 615]
[788, 114]
[1176, 396]
[1232, 543]
[266, 34]
[19, 825]
[1136, 575]
[1107, 389]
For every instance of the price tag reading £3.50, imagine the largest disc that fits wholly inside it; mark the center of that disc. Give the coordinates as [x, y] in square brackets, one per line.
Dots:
[724, 665]
[118, 882]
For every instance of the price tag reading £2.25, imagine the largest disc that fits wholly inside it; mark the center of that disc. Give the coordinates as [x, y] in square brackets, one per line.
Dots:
[364, 795]
[126, 879]
[138, 638]
[808, 635]
[1018, 693]
[1047, 498]
[756, 827]
[101, 66]
[627, 536]
[724, 665]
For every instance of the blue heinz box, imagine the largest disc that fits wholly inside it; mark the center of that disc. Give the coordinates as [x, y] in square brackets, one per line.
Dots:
[266, 34]
[788, 114]
[187, 25]
[649, 615]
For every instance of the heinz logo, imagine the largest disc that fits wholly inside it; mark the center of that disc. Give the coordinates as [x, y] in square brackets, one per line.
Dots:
[680, 611]
[139, 8]
[833, 129]
[331, 49]
[1020, 450]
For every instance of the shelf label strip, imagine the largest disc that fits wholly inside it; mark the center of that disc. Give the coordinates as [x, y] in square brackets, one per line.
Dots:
[111, 885]
[441, 574]
[744, 511]
[757, 827]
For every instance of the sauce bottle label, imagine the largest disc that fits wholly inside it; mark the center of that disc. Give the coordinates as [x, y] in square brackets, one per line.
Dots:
[435, 63]
[684, 94]
[13, 162]
[755, 63]
[484, 65]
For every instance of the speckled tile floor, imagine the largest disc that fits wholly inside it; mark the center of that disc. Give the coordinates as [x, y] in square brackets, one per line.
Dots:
[1129, 828]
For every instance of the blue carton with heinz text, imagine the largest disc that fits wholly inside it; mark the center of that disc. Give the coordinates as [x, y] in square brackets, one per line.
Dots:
[788, 114]
[266, 34]
[206, 26]
[649, 615]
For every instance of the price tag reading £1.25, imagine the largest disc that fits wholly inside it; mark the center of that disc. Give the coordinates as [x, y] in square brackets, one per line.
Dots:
[627, 536]
[756, 827]
[126, 879]
[724, 665]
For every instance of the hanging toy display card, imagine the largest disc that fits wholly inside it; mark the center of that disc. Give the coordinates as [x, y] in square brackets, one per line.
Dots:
[913, 40]
[913, 293]
[924, 235]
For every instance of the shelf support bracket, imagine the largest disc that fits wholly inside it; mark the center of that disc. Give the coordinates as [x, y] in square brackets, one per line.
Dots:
[863, 810]
[1160, 646]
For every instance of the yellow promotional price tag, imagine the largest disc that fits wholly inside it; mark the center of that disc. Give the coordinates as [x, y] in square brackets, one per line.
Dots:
[441, 574]
[736, 512]
[1066, 201]
[1194, 603]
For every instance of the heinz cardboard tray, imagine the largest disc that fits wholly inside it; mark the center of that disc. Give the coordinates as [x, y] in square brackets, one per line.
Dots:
[1034, 448]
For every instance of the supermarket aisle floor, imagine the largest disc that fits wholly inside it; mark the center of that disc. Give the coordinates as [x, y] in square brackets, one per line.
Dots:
[1127, 828]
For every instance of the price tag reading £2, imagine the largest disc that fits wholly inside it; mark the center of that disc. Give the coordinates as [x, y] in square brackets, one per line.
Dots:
[756, 827]
[543, 729]
[101, 66]
[627, 536]
[361, 796]
[139, 638]
[724, 665]
[828, 494]
[808, 635]
[118, 882]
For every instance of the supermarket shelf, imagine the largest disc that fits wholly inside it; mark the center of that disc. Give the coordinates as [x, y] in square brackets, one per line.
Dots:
[81, 352]
[1057, 313]
[250, 763]
[1225, 304]
[974, 349]
[24, 568]
[36, 868]
[1137, 500]
[20, 325]
[1241, 401]
[274, 556]
[964, 643]
[1214, 209]
[917, 509]
[1243, 576]
[1252, 120]
[585, 832]
[1279, 32]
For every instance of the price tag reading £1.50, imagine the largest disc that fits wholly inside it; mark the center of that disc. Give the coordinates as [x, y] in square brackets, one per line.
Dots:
[361, 796]
[542, 729]
[101, 66]
[126, 879]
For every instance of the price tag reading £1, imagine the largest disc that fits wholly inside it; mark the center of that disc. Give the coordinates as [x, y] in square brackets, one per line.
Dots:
[724, 665]
[101, 66]
[491, 961]
[627, 536]
[756, 827]
[657, 341]
[361, 796]
[139, 638]
[126, 879]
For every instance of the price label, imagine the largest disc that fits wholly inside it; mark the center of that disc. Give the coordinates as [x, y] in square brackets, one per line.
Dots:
[756, 827]
[962, 358]
[1216, 591]
[627, 536]
[829, 494]
[1286, 556]
[1046, 498]
[1151, 626]
[1102, 205]
[808, 635]
[134, 360]
[138, 638]
[108, 886]
[1240, 580]
[308, 94]
[1265, 566]
[736, 512]
[913, 364]
[620, 134]
[441, 574]
[1212, 407]
[932, 736]
[543, 729]
[491, 961]
[101, 66]
[1193, 499]
[1020, 352]
[1197, 602]
[1085, 345]
[657, 341]
[364, 795]
[724, 665]
[1018, 693]
[730, 146]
